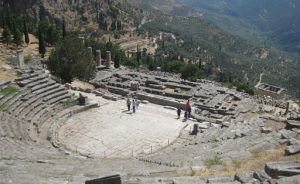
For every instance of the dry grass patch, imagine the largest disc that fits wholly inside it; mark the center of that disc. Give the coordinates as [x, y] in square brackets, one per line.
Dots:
[255, 163]
[275, 126]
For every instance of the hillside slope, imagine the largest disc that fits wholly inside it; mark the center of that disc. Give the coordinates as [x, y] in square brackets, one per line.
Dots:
[77, 13]
[279, 19]
[243, 59]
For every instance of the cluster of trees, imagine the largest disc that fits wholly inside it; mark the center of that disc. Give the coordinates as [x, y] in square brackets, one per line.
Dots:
[49, 34]
[245, 88]
[116, 23]
[71, 59]
[14, 27]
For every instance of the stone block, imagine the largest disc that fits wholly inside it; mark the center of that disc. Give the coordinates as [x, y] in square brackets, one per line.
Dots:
[262, 176]
[287, 134]
[293, 124]
[282, 168]
[243, 177]
[291, 150]
[266, 130]
[220, 179]
[225, 124]
[114, 179]
[21, 63]
[294, 141]
[289, 180]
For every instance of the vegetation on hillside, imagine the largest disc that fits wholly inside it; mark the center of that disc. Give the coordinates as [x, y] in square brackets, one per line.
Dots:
[71, 59]
[226, 57]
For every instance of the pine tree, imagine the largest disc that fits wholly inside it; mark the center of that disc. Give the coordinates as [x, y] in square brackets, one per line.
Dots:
[18, 37]
[42, 47]
[26, 32]
[117, 61]
[76, 63]
[6, 35]
[64, 29]
[200, 63]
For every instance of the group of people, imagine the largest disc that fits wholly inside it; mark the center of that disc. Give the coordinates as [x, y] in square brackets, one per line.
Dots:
[188, 111]
[132, 103]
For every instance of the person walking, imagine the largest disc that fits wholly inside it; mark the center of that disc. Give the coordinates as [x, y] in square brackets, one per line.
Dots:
[188, 108]
[178, 113]
[133, 105]
[185, 115]
[128, 103]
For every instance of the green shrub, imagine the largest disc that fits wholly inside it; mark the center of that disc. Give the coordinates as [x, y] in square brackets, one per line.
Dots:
[246, 88]
[215, 161]
[8, 90]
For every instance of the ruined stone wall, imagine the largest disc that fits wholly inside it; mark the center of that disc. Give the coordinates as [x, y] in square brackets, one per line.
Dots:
[160, 100]
[261, 92]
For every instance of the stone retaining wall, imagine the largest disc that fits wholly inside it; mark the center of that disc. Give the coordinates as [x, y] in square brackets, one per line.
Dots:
[160, 100]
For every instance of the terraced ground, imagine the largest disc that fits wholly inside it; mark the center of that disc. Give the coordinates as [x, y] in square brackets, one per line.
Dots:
[40, 122]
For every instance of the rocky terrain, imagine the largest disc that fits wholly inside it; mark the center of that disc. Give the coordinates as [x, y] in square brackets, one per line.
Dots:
[70, 133]
[231, 137]
[77, 12]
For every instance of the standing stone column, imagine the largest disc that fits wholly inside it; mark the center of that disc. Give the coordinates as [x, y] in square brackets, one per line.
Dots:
[91, 52]
[20, 54]
[82, 39]
[108, 59]
[98, 58]
[287, 108]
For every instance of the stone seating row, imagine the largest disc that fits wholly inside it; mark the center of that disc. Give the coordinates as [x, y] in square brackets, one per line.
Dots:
[25, 82]
[35, 101]
[26, 76]
[13, 128]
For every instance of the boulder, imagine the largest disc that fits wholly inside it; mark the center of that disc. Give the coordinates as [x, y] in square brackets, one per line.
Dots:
[262, 176]
[294, 141]
[287, 134]
[292, 124]
[198, 168]
[220, 179]
[282, 168]
[243, 177]
[291, 150]
[225, 124]
[266, 130]
[289, 180]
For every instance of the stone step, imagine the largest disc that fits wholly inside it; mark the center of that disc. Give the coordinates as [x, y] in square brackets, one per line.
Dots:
[60, 93]
[38, 99]
[7, 98]
[26, 82]
[48, 88]
[14, 128]
[38, 116]
[37, 83]
[7, 128]
[56, 108]
[15, 148]
[33, 99]
[11, 103]
[17, 104]
[27, 76]
[4, 83]
[49, 83]
[2, 130]
[59, 98]
[36, 111]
